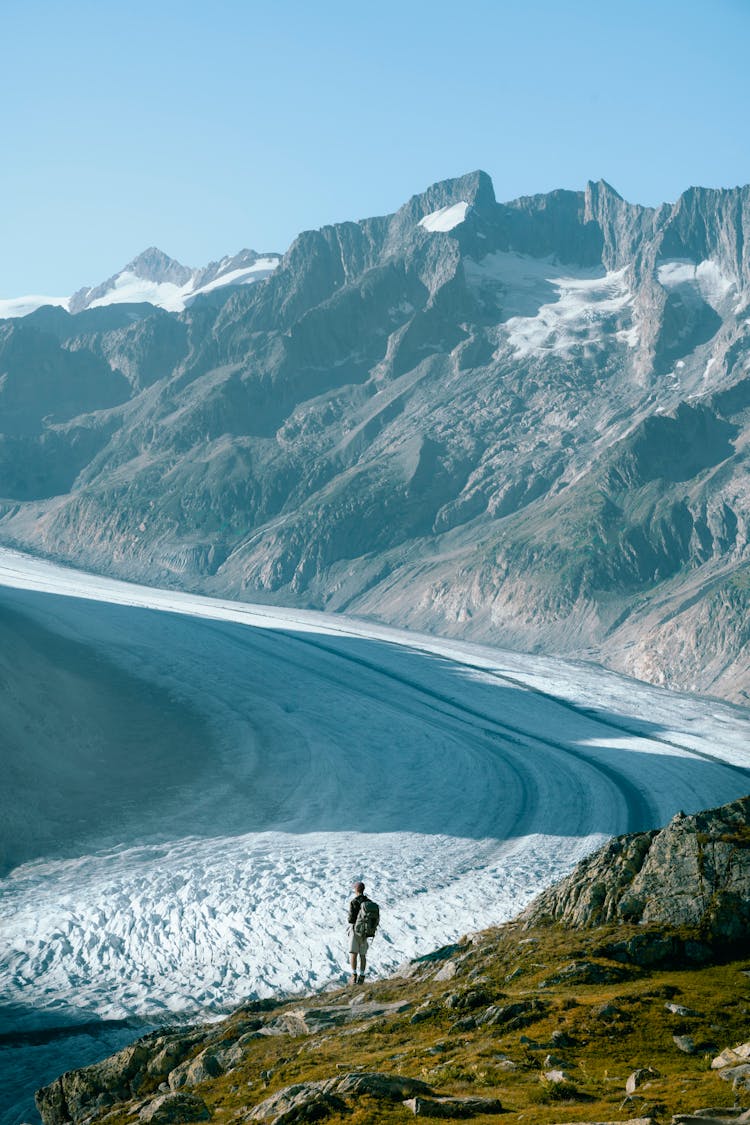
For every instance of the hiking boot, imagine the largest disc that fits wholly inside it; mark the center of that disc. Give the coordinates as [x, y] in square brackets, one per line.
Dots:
[353, 978]
[361, 978]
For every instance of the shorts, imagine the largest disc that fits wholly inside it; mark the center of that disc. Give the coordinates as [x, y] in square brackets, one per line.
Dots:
[358, 944]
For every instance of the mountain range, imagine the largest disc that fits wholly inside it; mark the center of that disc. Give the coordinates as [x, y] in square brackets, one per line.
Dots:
[524, 423]
[156, 279]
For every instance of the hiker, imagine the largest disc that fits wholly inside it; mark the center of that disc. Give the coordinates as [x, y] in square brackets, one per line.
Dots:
[364, 915]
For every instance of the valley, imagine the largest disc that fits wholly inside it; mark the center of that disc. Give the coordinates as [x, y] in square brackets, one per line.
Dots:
[202, 779]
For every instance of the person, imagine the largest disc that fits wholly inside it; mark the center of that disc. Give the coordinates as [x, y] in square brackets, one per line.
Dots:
[358, 943]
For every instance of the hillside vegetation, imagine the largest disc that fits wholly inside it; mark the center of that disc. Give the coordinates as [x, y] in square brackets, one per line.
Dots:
[536, 1020]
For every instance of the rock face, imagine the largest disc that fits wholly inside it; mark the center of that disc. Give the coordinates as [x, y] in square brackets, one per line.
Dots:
[524, 423]
[695, 872]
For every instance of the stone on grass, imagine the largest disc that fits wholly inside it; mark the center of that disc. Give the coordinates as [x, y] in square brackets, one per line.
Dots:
[171, 1109]
[192, 1071]
[639, 1078]
[304, 1101]
[556, 1076]
[739, 1076]
[453, 1107]
[681, 1010]
[393, 1087]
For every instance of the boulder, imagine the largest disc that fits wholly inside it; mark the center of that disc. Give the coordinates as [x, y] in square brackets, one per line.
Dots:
[468, 1000]
[308, 1021]
[681, 1010]
[453, 1107]
[739, 1076]
[732, 1056]
[639, 1078]
[651, 877]
[630, 1121]
[391, 1087]
[192, 1071]
[556, 1076]
[512, 1016]
[170, 1109]
[80, 1093]
[302, 1098]
[728, 1116]
[588, 972]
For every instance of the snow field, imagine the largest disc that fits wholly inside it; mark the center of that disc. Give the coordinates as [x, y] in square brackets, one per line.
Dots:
[550, 307]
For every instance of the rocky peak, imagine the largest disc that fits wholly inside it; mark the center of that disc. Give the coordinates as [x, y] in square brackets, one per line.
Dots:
[154, 265]
[694, 873]
[711, 223]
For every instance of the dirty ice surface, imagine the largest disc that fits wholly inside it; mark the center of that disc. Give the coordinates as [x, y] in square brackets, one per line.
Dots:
[191, 785]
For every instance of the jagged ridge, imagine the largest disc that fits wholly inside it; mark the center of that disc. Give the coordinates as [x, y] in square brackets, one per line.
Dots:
[529, 428]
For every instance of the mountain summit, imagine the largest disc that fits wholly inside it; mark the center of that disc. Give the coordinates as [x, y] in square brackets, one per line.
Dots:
[154, 278]
[521, 422]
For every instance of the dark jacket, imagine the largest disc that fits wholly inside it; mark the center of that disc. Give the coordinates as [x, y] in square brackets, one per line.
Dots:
[354, 906]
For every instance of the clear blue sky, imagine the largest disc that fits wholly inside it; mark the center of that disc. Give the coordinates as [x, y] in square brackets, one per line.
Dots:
[205, 127]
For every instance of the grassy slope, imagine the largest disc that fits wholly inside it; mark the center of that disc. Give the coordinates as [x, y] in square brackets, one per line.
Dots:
[509, 965]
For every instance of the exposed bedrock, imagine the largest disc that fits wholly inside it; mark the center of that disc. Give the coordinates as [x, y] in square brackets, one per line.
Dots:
[520, 422]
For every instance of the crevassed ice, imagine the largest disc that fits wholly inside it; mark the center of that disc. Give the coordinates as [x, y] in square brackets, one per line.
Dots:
[446, 218]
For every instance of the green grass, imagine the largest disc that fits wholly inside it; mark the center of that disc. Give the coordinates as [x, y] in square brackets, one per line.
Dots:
[598, 1051]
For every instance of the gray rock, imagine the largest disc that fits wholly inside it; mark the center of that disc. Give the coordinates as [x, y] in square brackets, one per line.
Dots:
[685, 1043]
[663, 870]
[680, 1010]
[391, 1087]
[308, 1021]
[556, 1076]
[327, 395]
[461, 1107]
[447, 972]
[305, 1101]
[521, 1013]
[468, 1000]
[172, 1109]
[739, 1076]
[630, 1121]
[640, 1077]
[205, 1065]
[588, 972]
[78, 1093]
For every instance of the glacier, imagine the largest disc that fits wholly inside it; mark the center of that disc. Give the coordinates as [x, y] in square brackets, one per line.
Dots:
[295, 751]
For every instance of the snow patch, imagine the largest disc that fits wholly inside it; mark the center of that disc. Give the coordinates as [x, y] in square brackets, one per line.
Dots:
[446, 218]
[11, 307]
[549, 307]
[130, 288]
[705, 277]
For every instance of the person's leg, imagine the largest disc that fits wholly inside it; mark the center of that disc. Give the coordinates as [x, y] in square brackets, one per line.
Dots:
[353, 960]
[362, 963]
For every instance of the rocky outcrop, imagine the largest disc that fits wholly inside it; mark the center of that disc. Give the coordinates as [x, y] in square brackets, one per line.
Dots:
[693, 873]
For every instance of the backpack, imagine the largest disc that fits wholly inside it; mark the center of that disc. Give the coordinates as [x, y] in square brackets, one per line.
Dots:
[368, 919]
